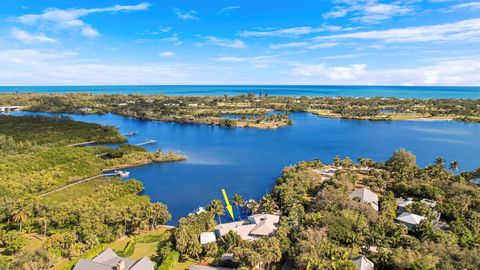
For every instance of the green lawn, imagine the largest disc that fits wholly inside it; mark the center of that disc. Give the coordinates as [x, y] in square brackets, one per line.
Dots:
[144, 250]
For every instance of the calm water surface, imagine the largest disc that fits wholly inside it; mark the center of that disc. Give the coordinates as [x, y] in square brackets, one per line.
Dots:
[247, 161]
[276, 90]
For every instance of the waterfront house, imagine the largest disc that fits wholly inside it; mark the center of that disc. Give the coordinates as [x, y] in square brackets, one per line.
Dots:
[207, 237]
[402, 204]
[257, 226]
[410, 220]
[362, 263]
[366, 196]
[109, 260]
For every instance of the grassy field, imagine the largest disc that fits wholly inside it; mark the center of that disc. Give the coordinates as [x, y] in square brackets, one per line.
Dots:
[144, 250]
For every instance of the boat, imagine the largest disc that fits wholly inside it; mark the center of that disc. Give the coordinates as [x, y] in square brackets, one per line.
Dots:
[198, 211]
[131, 133]
[123, 174]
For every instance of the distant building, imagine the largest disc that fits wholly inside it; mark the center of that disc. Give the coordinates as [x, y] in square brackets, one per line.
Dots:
[362, 263]
[10, 108]
[366, 196]
[207, 237]
[85, 109]
[327, 173]
[257, 226]
[109, 260]
[429, 203]
[410, 220]
[402, 204]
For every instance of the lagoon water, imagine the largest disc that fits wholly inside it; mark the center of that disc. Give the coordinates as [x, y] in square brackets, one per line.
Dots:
[276, 90]
[247, 161]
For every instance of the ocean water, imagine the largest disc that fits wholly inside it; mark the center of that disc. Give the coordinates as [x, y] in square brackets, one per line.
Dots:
[247, 161]
[276, 90]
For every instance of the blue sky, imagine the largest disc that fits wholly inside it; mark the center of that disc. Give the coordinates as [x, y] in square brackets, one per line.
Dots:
[403, 42]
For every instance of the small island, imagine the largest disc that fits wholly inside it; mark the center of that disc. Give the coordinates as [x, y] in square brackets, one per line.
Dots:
[249, 111]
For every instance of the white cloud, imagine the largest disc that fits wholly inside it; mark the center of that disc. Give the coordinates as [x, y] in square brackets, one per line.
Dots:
[335, 13]
[368, 11]
[71, 18]
[38, 67]
[335, 73]
[227, 10]
[463, 72]
[223, 42]
[292, 32]
[232, 59]
[303, 44]
[46, 67]
[29, 38]
[187, 15]
[257, 61]
[470, 5]
[167, 54]
[172, 39]
[468, 30]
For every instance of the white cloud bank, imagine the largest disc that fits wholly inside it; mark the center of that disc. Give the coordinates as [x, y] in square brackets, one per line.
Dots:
[368, 11]
[39, 67]
[468, 30]
[224, 42]
[29, 38]
[167, 54]
[462, 72]
[187, 15]
[71, 18]
[292, 31]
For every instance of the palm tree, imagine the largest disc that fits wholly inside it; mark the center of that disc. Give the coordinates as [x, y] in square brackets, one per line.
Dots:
[20, 216]
[43, 221]
[440, 161]
[238, 200]
[230, 241]
[253, 206]
[268, 204]
[216, 208]
[454, 166]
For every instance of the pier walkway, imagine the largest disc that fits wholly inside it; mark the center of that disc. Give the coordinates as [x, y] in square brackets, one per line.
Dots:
[147, 142]
[78, 182]
[81, 144]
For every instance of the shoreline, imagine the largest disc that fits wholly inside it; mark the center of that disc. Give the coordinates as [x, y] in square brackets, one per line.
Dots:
[147, 162]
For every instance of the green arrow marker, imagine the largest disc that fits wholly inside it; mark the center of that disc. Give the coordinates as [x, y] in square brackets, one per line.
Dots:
[229, 207]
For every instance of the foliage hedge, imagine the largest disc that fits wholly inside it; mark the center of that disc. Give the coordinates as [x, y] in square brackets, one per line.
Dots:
[130, 247]
[170, 261]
